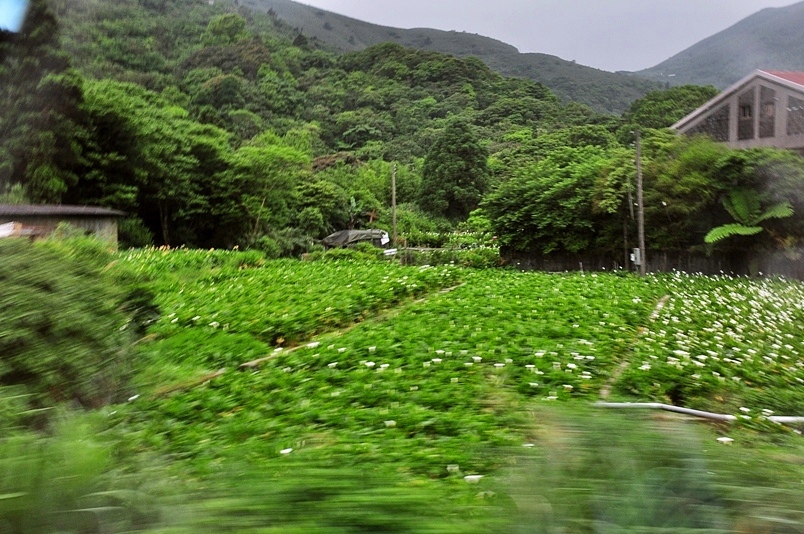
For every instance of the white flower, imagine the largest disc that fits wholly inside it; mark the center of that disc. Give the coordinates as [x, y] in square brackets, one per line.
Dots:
[286, 451]
[473, 479]
[453, 468]
[498, 365]
[533, 384]
[342, 349]
[390, 423]
[370, 364]
[372, 349]
[567, 387]
[436, 360]
[469, 364]
[214, 324]
[313, 345]
[724, 440]
[426, 364]
[133, 398]
[509, 360]
[744, 409]
[477, 359]
[453, 380]
[528, 445]
[439, 352]
[332, 365]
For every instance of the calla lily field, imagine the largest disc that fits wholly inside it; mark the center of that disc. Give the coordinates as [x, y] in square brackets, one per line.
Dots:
[347, 396]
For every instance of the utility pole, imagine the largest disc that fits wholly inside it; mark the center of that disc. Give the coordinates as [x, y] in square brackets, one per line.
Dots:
[643, 257]
[393, 204]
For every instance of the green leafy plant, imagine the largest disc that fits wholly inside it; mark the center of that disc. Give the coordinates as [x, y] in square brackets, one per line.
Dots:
[62, 338]
[745, 207]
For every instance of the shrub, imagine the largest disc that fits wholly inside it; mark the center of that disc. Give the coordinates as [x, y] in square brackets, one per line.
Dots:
[62, 338]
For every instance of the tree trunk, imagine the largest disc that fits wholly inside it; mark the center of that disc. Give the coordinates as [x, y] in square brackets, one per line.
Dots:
[163, 220]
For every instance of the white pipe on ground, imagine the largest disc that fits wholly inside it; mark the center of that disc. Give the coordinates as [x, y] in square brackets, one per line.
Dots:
[690, 411]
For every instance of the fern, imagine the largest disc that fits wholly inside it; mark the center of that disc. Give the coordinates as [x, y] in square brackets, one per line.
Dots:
[742, 205]
[777, 211]
[728, 230]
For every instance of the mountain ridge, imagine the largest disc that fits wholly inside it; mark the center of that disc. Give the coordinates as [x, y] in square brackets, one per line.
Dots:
[768, 39]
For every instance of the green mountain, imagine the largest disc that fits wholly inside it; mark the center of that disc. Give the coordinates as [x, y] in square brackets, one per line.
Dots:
[603, 91]
[769, 39]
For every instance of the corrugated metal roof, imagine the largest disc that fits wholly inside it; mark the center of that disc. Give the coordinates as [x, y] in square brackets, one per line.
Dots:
[53, 210]
[790, 76]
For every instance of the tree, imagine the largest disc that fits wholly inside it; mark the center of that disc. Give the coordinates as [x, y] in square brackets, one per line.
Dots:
[548, 206]
[43, 128]
[225, 30]
[455, 174]
[662, 109]
[150, 157]
[261, 182]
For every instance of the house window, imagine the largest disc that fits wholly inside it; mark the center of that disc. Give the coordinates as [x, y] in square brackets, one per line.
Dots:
[795, 116]
[745, 125]
[767, 117]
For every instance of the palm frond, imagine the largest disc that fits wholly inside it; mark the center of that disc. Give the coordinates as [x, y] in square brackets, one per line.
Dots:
[742, 205]
[777, 211]
[728, 230]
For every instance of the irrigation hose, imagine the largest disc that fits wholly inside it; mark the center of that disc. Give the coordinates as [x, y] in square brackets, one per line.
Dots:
[696, 413]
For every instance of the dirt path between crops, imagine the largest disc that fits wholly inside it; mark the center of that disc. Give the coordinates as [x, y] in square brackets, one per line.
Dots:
[253, 364]
[382, 316]
[606, 389]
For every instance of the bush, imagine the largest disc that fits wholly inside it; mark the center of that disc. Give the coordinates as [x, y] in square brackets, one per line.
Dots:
[478, 258]
[360, 252]
[132, 233]
[62, 338]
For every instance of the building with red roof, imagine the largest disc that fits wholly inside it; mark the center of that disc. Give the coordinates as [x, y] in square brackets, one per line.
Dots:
[764, 109]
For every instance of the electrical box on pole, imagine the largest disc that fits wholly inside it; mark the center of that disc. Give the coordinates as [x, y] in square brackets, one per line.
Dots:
[636, 257]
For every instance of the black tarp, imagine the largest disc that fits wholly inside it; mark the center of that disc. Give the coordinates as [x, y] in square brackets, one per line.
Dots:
[344, 238]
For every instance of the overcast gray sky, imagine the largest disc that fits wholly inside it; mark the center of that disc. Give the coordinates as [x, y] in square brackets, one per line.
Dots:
[605, 34]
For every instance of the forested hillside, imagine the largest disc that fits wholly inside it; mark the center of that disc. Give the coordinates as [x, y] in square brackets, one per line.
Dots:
[223, 127]
[770, 40]
[605, 92]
